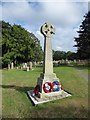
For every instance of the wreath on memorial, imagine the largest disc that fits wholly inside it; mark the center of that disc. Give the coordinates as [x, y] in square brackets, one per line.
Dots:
[56, 86]
[37, 89]
[47, 87]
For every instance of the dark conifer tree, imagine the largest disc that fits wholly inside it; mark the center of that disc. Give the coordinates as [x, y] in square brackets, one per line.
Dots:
[83, 40]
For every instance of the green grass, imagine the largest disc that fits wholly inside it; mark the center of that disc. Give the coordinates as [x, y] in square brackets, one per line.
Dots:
[16, 103]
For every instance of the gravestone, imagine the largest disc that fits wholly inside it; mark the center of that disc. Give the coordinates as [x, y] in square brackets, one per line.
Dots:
[34, 64]
[12, 65]
[17, 68]
[8, 66]
[30, 65]
[27, 69]
[46, 88]
[25, 65]
[74, 61]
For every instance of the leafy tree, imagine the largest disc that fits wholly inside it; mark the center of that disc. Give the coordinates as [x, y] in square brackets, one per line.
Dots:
[71, 55]
[6, 42]
[19, 45]
[58, 55]
[83, 39]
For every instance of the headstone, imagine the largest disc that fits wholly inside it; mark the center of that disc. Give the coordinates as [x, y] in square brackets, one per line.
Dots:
[66, 61]
[12, 65]
[75, 61]
[25, 65]
[17, 67]
[63, 61]
[34, 64]
[30, 65]
[8, 66]
[27, 69]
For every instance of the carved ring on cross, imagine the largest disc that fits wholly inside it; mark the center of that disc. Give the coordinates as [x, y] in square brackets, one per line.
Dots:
[47, 30]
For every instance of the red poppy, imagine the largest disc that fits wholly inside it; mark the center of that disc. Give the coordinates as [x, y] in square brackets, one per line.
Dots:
[37, 89]
[47, 87]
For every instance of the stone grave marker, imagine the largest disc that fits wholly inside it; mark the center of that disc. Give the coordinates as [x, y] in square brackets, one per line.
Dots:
[25, 65]
[34, 64]
[48, 87]
[74, 61]
[17, 67]
[27, 68]
[8, 66]
[30, 65]
[12, 65]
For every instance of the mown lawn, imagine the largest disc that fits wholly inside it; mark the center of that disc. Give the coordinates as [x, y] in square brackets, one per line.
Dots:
[16, 103]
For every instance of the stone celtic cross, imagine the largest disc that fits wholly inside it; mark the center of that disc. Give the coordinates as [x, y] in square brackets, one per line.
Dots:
[47, 30]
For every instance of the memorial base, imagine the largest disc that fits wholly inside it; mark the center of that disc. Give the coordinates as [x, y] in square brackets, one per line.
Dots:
[46, 97]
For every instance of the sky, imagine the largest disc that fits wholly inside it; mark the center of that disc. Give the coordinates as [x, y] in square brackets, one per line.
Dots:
[65, 16]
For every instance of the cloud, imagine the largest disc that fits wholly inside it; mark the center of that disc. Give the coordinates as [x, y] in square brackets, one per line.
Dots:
[45, 0]
[14, 11]
[40, 37]
[65, 16]
[65, 13]
[64, 39]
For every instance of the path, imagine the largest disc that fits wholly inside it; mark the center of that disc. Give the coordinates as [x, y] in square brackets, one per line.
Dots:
[84, 74]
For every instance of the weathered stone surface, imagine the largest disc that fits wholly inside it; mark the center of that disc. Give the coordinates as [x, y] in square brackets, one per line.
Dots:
[30, 65]
[27, 69]
[49, 97]
[12, 65]
[47, 76]
[8, 66]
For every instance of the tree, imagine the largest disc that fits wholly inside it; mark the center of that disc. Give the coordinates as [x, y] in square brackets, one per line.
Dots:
[83, 39]
[6, 45]
[71, 55]
[58, 55]
[19, 45]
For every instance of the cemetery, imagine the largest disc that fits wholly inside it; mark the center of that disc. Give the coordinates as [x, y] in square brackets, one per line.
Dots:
[44, 81]
[45, 91]
[16, 103]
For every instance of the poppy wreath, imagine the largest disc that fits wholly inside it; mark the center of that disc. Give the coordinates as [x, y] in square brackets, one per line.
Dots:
[56, 86]
[62, 88]
[47, 87]
[37, 89]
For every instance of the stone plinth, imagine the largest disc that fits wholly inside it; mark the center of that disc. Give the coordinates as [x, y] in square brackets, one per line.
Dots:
[46, 78]
[47, 97]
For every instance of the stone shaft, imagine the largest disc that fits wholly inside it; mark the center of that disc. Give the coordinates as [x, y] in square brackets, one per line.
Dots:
[47, 76]
[48, 61]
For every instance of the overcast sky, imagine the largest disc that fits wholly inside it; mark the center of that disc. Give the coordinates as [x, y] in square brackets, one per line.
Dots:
[65, 16]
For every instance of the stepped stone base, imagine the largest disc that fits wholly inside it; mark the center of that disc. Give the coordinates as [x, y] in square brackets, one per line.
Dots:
[46, 78]
[47, 96]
